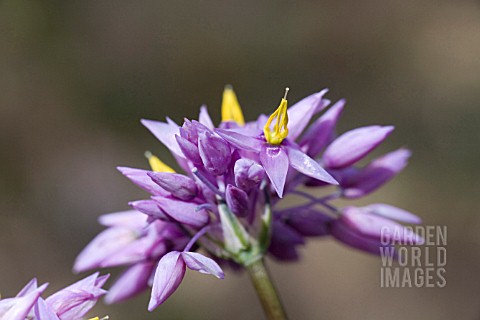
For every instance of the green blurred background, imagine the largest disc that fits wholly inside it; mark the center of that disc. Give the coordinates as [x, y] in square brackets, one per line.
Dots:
[76, 77]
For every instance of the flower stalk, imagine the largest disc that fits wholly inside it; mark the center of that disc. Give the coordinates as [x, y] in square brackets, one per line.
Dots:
[272, 306]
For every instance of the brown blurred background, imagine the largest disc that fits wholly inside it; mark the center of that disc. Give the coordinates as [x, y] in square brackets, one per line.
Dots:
[76, 77]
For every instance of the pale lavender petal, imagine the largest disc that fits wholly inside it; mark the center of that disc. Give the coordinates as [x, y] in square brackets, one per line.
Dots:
[300, 114]
[150, 208]
[18, 308]
[165, 132]
[105, 244]
[392, 212]
[345, 235]
[130, 219]
[239, 140]
[130, 283]
[376, 174]
[179, 185]
[29, 287]
[134, 251]
[184, 212]
[202, 264]
[168, 276]
[237, 200]
[275, 162]
[377, 227]
[140, 178]
[44, 312]
[189, 150]
[215, 153]
[74, 301]
[306, 165]
[248, 174]
[204, 118]
[321, 132]
[354, 145]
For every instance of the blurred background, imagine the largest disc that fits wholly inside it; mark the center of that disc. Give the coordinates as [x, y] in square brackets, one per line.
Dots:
[77, 76]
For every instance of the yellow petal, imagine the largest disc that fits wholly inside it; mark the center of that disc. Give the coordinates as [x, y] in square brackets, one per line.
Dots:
[156, 164]
[231, 110]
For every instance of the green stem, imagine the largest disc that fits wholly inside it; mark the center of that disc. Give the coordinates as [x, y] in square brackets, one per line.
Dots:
[266, 292]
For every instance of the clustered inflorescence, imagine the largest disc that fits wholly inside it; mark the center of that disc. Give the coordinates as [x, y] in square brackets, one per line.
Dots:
[227, 205]
[70, 303]
[227, 202]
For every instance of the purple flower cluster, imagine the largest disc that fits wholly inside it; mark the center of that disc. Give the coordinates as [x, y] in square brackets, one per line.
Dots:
[227, 202]
[70, 303]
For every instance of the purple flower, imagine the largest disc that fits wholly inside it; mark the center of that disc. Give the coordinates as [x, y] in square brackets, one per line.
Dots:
[70, 303]
[275, 152]
[227, 200]
[171, 270]
[19, 307]
[74, 301]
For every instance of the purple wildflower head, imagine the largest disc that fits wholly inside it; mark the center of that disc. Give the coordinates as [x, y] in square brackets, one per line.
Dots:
[70, 303]
[226, 202]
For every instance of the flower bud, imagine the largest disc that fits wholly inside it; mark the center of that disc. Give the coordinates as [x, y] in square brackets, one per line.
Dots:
[180, 186]
[248, 174]
[362, 221]
[320, 133]
[354, 145]
[189, 150]
[377, 173]
[237, 200]
[215, 153]
[131, 282]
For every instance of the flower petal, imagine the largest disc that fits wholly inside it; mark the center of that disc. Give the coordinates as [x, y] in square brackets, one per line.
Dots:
[300, 113]
[202, 264]
[275, 162]
[239, 140]
[377, 173]
[105, 244]
[29, 287]
[165, 132]
[347, 236]
[391, 212]
[215, 153]
[184, 212]
[320, 133]
[130, 283]
[44, 312]
[354, 145]
[74, 301]
[140, 178]
[168, 276]
[306, 165]
[179, 185]
[204, 118]
[21, 306]
[130, 219]
[377, 227]
[150, 208]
